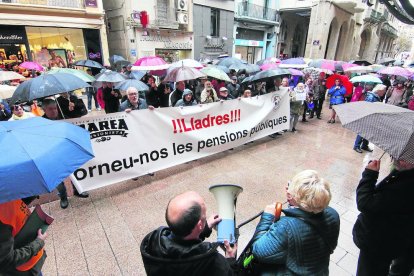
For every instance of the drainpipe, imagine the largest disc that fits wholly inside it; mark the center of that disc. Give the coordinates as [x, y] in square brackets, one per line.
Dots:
[313, 30]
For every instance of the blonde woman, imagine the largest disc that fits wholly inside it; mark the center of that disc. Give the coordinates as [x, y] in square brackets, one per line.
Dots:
[301, 242]
[208, 95]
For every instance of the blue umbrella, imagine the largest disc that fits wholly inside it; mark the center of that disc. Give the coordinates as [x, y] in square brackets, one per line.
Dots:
[293, 61]
[139, 85]
[47, 85]
[228, 61]
[115, 58]
[137, 74]
[38, 154]
[89, 63]
[365, 79]
[270, 74]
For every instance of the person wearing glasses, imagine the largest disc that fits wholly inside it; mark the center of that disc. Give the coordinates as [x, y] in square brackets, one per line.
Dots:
[19, 113]
[133, 102]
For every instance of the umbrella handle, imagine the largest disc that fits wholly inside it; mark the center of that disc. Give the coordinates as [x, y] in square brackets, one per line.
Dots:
[60, 109]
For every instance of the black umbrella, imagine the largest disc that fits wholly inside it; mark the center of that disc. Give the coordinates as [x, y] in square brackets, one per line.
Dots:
[270, 74]
[361, 62]
[47, 85]
[89, 63]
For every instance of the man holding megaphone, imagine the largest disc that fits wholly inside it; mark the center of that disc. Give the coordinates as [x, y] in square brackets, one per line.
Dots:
[179, 249]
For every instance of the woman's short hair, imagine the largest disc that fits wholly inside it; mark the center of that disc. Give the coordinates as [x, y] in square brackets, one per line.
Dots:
[310, 192]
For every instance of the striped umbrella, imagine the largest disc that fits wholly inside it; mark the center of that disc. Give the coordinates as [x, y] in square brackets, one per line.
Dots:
[389, 127]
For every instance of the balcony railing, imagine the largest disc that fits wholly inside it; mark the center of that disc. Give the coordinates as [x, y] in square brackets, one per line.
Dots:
[389, 29]
[77, 4]
[374, 16]
[246, 9]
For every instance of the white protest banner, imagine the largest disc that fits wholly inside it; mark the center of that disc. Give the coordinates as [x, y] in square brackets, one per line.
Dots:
[127, 145]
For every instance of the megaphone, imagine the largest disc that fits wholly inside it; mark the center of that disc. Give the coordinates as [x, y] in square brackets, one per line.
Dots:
[226, 198]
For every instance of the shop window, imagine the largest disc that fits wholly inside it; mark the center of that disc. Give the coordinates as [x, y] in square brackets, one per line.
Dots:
[56, 47]
[215, 22]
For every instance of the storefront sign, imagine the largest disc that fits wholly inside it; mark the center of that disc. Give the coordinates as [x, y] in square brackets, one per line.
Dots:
[172, 136]
[133, 52]
[178, 45]
[10, 36]
[156, 38]
[94, 55]
[91, 3]
[249, 43]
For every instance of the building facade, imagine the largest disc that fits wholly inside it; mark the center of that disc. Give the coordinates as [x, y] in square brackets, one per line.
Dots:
[350, 30]
[213, 28]
[256, 24]
[44, 30]
[154, 27]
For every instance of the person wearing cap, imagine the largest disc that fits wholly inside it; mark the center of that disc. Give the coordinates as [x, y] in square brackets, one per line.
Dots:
[224, 94]
[233, 88]
[187, 100]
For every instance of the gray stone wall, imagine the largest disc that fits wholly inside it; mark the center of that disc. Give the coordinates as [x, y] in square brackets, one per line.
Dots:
[202, 22]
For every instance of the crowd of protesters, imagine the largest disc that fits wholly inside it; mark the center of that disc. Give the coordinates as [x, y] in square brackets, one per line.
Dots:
[295, 245]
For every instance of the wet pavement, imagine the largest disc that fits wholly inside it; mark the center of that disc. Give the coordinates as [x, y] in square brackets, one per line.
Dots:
[101, 235]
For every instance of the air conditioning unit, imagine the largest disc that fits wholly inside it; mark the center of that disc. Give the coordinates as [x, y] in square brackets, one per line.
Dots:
[182, 5]
[182, 18]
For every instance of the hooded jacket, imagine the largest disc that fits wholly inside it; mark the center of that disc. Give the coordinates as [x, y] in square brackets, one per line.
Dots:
[337, 95]
[164, 254]
[183, 102]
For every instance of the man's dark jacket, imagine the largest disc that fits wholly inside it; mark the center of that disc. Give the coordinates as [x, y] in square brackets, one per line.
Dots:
[386, 221]
[111, 101]
[164, 254]
[176, 95]
[78, 111]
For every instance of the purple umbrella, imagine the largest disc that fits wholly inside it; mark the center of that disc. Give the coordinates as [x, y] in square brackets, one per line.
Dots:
[396, 71]
[293, 61]
[183, 73]
[296, 72]
[31, 65]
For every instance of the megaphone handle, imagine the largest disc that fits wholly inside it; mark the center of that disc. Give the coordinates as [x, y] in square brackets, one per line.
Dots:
[278, 210]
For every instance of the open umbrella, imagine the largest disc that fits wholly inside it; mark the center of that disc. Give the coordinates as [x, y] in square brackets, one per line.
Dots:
[125, 84]
[121, 63]
[387, 126]
[365, 79]
[78, 73]
[293, 61]
[6, 91]
[10, 75]
[89, 63]
[47, 85]
[115, 58]
[252, 68]
[269, 66]
[228, 61]
[247, 79]
[268, 60]
[295, 72]
[293, 65]
[376, 67]
[222, 68]
[216, 73]
[110, 76]
[359, 69]
[270, 74]
[187, 63]
[396, 71]
[31, 65]
[151, 63]
[361, 62]
[137, 74]
[38, 154]
[330, 81]
[183, 73]
[386, 61]
[323, 64]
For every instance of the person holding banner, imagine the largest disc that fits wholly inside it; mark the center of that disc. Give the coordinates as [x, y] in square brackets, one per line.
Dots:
[187, 100]
[301, 242]
[133, 102]
[177, 94]
[179, 248]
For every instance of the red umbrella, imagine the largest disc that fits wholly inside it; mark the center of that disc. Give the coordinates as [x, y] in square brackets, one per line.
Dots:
[344, 80]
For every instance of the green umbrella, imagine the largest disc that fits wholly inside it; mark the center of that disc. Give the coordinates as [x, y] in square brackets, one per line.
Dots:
[78, 73]
[365, 79]
[216, 73]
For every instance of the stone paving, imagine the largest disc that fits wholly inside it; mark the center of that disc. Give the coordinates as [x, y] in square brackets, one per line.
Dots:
[101, 235]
